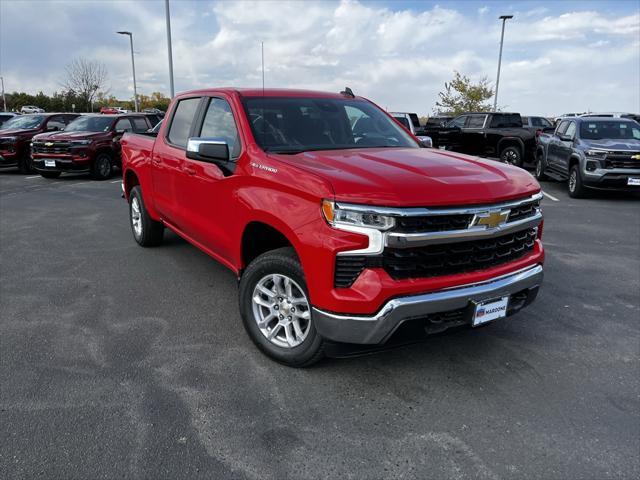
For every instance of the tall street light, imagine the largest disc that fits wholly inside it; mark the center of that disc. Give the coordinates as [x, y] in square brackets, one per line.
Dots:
[4, 100]
[169, 48]
[133, 65]
[504, 19]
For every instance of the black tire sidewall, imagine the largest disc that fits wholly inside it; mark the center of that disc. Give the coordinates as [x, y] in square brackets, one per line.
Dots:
[50, 174]
[579, 190]
[285, 262]
[152, 231]
[516, 150]
[95, 170]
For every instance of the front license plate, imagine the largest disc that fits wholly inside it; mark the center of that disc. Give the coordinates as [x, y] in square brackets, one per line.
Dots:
[490, 310]
[633, 181]
[49, 163]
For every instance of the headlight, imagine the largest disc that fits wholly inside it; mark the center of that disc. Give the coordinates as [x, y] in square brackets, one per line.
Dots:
[81, 142]
[595, 153]
[354, 216]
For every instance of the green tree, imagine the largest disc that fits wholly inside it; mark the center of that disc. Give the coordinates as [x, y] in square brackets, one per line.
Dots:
[461, 95]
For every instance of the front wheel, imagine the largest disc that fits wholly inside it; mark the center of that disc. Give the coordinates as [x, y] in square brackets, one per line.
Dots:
[512, 156]
[25, 164]
[276, 311]
[576, 187]
[102, 167]
[540, 168]
[146, 231]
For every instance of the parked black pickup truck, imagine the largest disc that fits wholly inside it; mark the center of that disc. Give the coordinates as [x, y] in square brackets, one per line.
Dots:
[591, 153]
[488, 135]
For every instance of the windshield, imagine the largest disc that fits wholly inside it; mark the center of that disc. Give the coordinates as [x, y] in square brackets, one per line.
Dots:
[90, 124]
[293, 125]
[25, 122]
[609, 130]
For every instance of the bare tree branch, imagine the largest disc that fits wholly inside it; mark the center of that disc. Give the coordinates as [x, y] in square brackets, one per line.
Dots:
[85, 78]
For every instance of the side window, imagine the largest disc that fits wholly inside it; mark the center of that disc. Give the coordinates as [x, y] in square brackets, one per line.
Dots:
[571, 130]
[139, 124]
[525, 122]
[219, 123]
[123, 125]
[404, 121]
[476, 121]
[56, 122]
[459, 122]
[181, 122]
[562, 128]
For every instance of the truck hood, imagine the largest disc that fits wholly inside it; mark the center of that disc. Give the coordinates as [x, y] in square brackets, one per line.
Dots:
[627, 144]
[69, 135]
[414, 177]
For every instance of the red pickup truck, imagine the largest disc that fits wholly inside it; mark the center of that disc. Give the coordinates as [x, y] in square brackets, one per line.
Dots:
[339, 226]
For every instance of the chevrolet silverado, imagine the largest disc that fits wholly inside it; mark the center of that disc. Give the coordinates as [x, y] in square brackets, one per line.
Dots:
[338, 225]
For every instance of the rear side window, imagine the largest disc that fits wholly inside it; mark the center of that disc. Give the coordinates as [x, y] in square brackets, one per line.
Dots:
[540, 122]
[140, 125]
[459, 122]
[525, 121]
[56, 122]
[506, 120]
[182, 120]
[219, 123]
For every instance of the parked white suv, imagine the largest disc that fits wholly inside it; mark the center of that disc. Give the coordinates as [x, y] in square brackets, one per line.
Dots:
[31, 109]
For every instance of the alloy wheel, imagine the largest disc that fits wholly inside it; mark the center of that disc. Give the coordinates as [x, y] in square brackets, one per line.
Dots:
[136, 217]
[573, 180]
[281, 310]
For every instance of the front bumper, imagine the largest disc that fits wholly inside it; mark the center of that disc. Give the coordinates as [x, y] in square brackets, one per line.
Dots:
[62, 165]
[522, 286]
[611, 179]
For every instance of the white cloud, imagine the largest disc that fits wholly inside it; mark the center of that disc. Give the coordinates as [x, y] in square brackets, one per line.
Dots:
[400, 58]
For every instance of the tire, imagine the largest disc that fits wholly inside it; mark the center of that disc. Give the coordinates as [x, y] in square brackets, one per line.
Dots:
[512, 156]
[102, 167]
[576, 187]
[25, 164]
[146, 231]
[50, 174]
[540, 168]
[295, 341]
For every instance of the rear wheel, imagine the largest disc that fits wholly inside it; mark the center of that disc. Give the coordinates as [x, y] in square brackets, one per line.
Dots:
[276, 311]
[512, 156]
[576, 187]
[146, 231]
[102, 167]
[50, 174]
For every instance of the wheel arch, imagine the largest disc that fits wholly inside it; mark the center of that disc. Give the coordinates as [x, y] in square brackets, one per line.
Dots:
[263, 235]
[510, 142]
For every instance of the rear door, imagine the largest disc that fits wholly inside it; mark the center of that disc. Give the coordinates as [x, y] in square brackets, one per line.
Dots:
[565, 149]
[168, 157]
[474, 136]
[206, 216]
[553, 149]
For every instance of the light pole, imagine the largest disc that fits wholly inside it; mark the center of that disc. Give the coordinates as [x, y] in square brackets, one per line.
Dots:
[133, 66]
[4, 100]
[504, 19]
[169, 48]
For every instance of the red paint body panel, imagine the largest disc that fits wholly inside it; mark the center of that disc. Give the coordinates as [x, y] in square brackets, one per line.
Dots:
[212, 210]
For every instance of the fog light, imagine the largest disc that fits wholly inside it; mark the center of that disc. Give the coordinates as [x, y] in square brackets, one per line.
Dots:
[591, 166]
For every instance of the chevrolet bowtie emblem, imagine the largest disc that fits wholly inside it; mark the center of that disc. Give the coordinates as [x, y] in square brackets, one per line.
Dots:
[491, 219]
[635, 157]
[48, 144]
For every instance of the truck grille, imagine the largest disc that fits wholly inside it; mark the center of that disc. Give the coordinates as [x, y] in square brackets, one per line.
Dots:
[622, 160]
[460, 257]
[436, 223]
[55, 147]
[437, 260]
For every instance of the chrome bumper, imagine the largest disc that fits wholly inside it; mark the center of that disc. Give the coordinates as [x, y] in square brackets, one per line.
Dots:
[379, 327]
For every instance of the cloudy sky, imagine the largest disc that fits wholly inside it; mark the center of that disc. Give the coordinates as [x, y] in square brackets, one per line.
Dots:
[560, 56]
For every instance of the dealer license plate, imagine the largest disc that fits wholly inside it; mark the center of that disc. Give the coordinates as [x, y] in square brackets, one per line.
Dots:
[49, 163]
[490, 310]
[633, 181]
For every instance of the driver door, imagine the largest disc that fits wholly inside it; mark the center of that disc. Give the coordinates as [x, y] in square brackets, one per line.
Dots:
[207, 186]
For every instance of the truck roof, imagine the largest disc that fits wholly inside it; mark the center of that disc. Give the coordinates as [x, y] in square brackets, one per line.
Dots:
[267, 92]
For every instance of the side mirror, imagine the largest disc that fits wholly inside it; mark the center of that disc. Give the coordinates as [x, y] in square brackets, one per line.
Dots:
[53, 129]
[565, 138]
[208, 149]
[120, 132]
[425, 141]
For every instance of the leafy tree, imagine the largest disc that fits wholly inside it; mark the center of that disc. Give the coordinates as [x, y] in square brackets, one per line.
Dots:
[461, 95]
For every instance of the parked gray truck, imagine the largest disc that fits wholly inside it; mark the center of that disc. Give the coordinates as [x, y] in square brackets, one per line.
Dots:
[591, 153]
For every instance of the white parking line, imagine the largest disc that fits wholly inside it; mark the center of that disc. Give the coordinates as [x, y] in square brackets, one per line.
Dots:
[35, 176]
[117, 181]
[550, 196]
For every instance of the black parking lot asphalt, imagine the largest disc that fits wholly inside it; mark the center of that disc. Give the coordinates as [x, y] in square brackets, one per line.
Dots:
[123, 362]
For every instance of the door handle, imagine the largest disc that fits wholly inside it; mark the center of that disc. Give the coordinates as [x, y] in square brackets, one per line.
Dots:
[190, 170]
